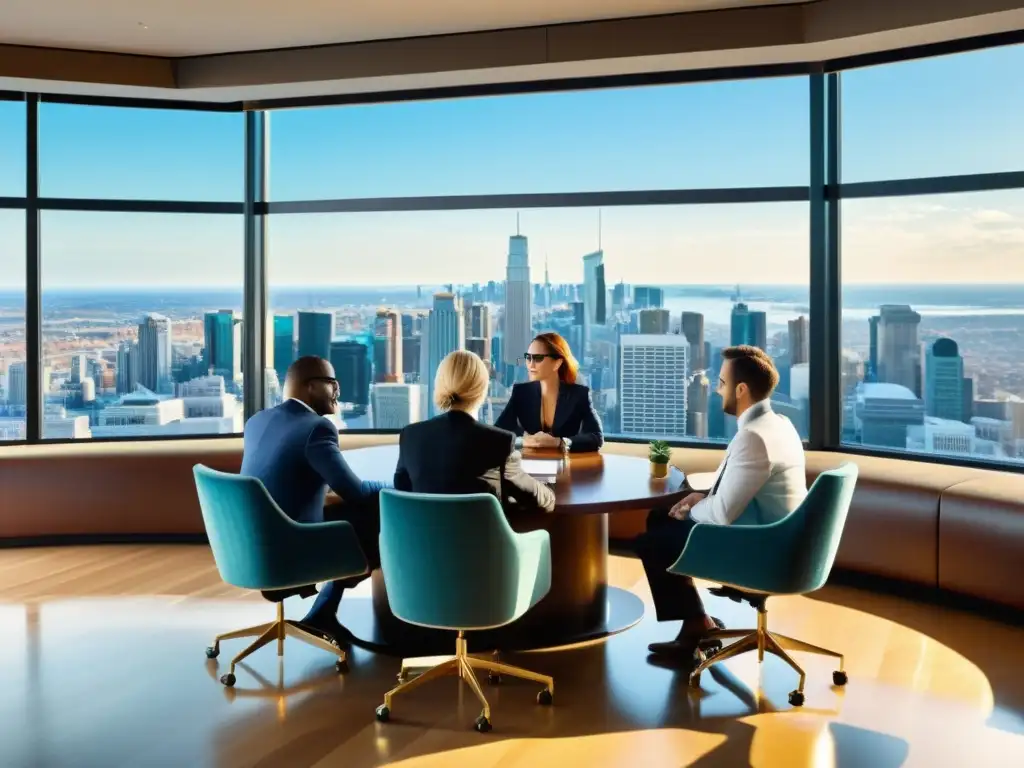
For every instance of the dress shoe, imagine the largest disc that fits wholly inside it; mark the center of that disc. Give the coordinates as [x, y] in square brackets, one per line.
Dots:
[687, 643]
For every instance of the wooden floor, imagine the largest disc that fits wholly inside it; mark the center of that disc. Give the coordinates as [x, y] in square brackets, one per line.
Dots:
[102, 664]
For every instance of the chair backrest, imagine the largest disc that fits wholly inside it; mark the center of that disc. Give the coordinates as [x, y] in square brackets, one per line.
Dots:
[449, 561]
[818, 527]
[244, 527]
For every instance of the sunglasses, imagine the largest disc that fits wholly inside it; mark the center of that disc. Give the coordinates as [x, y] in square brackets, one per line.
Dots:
[531, 358]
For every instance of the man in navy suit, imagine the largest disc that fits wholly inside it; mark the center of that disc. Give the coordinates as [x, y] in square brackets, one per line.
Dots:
[293, 449]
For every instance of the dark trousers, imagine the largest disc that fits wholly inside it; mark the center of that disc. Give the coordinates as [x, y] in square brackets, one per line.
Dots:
[364, 517]
[675, 597]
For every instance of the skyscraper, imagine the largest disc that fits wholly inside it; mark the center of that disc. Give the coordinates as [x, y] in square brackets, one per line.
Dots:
[222, 344]
[593, 289]
[698, 396]
[799, 341]
[387, 346]
[444, 335]
[652, 379]
[351, 361]
[871, 374]
[481, 347]
[155, 353]
[518, 301]
[944, 381]
[480, 324]
[692, 325]
[395, 405]
[654, 321]
[748, 327]
[577, 331]
[127, 367]
[648, 297]
[17, 384]
[284, 344]
[315, 332]
[899, 353]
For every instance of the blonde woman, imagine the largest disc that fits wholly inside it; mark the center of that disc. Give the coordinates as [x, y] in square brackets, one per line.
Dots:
[455, 453]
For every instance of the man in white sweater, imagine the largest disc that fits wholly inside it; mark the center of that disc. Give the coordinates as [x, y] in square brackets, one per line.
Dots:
[761, 479]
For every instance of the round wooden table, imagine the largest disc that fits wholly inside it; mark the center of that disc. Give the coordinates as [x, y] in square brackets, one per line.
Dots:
[581, 605]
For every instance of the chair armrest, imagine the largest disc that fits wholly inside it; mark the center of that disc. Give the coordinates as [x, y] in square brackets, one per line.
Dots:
[317, 552]
[534, 550]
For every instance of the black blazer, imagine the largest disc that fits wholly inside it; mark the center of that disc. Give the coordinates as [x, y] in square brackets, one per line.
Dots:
[454, 453]
[575, 416]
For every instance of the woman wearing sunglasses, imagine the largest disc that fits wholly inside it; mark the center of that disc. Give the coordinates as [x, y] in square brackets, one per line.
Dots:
[552, 410]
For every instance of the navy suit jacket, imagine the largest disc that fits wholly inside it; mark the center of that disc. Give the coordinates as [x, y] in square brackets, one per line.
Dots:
[575, 416]
[296, 455]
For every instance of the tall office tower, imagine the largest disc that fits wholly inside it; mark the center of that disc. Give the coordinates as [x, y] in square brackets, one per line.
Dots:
[748, 327]
[620, 296]
[77, 369]
[480, 324]
[155, 353]
[222, 348]
[968, 400]
[871, 374]
[593, 289]
[692, 326]
[387, 346]
[899, 353]
[407, 324]
[652, 381]
[578, 329]
[284, 344]
[94, 370]
[316, 329]
[799, 341]
[654, 321]
[17, 384]
[444, 335]
[698, 396]
[481, 347]
[352, 363]
[547, 286]
[518, 314]
[602, 296]
[944, 381]
[127, 367]
[648, 297]
[411, 355]
[395, 405]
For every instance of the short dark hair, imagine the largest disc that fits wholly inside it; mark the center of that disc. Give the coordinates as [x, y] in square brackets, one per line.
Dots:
[754, 367]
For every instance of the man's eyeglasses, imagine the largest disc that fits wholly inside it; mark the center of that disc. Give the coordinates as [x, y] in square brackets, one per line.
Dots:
[327, 379]
[531, 358]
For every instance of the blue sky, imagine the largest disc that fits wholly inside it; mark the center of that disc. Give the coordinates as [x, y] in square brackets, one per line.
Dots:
[957, 114]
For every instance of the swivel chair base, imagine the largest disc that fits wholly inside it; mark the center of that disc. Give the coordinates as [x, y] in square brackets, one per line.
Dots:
[463, 665]
[267, 633]
[761, 640]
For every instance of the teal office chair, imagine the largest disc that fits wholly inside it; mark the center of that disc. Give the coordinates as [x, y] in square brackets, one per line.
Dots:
[256, 546]
[753, 562]
[453, 562]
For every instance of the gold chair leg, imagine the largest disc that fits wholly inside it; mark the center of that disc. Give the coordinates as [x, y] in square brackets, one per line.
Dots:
[417, 665]
[441, 670]
[778, 650]
[792, 644]
[729, 634]
[269, 636]
[256, 631]
[499, 668]
[292, 629]
[762, 632]
[470, 677]
[743, 645]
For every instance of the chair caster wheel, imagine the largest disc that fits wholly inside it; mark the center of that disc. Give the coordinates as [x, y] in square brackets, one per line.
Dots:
[482, 724]
[212, 652]
[383, 713]
[493, 678]
[228, 679]
[341, 666]
[839, 678]
[796, 698]
[545, 698]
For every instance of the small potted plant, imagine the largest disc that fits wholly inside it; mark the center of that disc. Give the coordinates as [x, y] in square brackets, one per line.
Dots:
[659, 453]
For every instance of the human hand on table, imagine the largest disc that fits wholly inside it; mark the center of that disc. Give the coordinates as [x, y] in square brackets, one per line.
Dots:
[540, 440]
[682, 508]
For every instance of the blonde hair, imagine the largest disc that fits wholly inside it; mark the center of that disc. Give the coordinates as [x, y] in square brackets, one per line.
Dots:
[461, 382]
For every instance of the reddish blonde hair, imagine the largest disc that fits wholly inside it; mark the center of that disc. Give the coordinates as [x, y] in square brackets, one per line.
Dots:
[556, 345]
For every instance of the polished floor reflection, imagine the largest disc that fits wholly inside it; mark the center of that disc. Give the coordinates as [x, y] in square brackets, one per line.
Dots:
[103, 665]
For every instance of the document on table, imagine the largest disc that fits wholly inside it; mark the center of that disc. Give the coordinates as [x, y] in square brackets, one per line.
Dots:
[544, 470]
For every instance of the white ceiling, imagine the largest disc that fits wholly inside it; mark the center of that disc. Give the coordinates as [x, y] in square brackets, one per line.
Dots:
[198, 27]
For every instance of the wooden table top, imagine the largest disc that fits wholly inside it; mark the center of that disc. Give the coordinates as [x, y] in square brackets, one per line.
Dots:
[587, 483]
